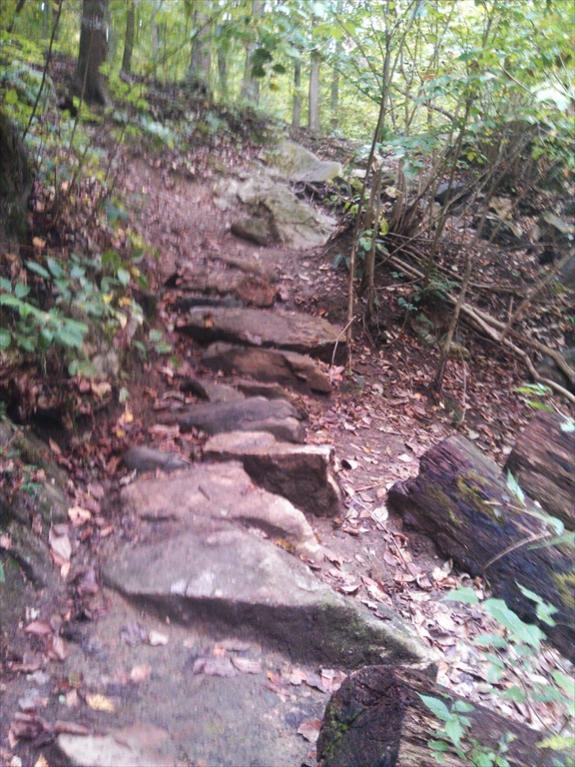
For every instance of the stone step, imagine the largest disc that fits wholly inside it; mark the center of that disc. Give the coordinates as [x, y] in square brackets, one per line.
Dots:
[228, 580]
[302, 474]
[268, 365]
[291, 331]
[278, 417]
[221, 492]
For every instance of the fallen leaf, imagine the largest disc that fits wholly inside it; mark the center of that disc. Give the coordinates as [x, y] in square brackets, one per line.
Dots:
[99, 702]
[60, 546]
[247, 665]
[140, 673]
[41, 761]
[156, 638]
[310, 729]
[38, 628]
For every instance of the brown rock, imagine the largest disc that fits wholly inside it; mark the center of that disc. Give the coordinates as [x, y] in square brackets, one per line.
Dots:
[290, 331]
[278, 417]
[302, 474]
[289, 368]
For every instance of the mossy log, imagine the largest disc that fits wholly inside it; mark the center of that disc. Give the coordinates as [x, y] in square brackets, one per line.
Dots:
[461, 499]
[543, 461]
[377, 719]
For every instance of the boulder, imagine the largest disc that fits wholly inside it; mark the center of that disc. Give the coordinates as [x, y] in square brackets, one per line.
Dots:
[272, 214]
[222, 492]
[288, 368]
[212, 391]
[377, 719]
[289, 331]
[277, 416]
[253, 289]
[301, 473]
[228, 580]
[543, 462]
[296, 163]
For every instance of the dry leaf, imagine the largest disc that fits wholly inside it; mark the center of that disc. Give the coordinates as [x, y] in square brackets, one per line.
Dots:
[60, 546]
[39, 628]
[310, 729]
[99, 702]
[41, 761]
[156, 638]
[140, 673]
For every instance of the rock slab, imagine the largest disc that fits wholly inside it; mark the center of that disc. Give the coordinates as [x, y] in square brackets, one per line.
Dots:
[228, 580]
[268, 365]
[290, 331]
[221, 492]
[142, 744]
[278, 417]
[302, 474]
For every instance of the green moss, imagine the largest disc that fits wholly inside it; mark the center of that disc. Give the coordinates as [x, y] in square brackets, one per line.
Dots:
[444, 501]
[565, 583]
[472, 488]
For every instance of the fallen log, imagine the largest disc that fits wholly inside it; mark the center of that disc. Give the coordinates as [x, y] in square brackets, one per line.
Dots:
[377, 719]
[543, 462]
[461, 499]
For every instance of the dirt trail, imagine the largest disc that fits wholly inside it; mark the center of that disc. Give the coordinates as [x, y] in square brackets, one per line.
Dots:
[232, 661]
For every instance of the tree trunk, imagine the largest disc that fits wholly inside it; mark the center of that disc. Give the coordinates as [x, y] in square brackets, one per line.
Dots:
[223, 74]
[201, 58]
[313, 116]
[334, 90]
[543, 462]
[129, 38]
[89, 83]
[296, 109]
[461, 499]
[250, 90]
[377, 719]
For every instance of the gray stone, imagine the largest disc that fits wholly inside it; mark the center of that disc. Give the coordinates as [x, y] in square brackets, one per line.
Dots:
[141, 458]
[276, 212]
[302, 474]
[212, 391]
[222, 492]
[141, 744]
[288, 368]
[230, 580]
[278, 417]
[297, 163]
[289, 331]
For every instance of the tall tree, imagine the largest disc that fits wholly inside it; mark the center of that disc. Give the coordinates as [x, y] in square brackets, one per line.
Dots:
[296, 110]
[250, 90]
[201, 59]
[313, 114]
[129, 37]
[89, 82]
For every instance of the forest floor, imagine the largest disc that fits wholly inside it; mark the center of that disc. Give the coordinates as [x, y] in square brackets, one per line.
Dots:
[379, 420]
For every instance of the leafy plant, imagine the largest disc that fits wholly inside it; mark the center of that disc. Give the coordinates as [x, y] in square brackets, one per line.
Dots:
[511, 658]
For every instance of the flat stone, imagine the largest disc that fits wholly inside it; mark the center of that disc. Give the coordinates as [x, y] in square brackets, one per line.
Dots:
[302, 474]
[229, 579]
[220, 492]
[260, 389]
[141, 744]
[212, 391]
[253, 289]
[278, 417]
[297, 163]
[288, 368]
[290, 331]
[141, 458]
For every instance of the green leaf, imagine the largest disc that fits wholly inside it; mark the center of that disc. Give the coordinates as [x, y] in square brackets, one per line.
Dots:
[462, 707]
[54, 267]
[520, 631]
[5, 339]
[515, 693]
[454, 729]
[2, 574]
[21, 290]
[567, 683]
[491, 640]
[465, 594]
[513, 485]
[436, 706]
[123, 276]
[543, 610]
[438, 745]
[568, 425]
[34, 266]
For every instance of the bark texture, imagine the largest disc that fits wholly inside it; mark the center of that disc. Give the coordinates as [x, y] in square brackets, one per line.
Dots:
[89, 82]
[543, 461]
[129, 38]
[377, 719]
[462, 500]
